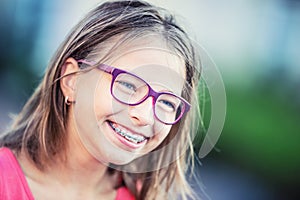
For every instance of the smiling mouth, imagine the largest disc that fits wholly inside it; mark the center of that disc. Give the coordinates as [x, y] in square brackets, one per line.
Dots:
[126, 134]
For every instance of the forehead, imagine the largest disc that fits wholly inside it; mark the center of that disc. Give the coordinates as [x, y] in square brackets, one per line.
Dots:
[158, 66]
[137, 57]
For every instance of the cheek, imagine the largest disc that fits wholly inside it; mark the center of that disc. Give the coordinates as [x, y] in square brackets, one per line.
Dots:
[165, 131]
[161, 133]
[102, 99]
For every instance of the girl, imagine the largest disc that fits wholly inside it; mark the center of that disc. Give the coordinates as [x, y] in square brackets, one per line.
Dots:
[114, 115]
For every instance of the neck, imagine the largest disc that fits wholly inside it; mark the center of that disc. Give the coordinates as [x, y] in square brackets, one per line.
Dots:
[76, 178]
[77, 174]
[80, 170]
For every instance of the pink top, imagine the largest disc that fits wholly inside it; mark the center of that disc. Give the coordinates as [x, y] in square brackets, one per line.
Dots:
[13, 184]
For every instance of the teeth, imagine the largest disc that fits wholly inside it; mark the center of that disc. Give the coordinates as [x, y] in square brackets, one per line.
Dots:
[129, 136]
[123, 133]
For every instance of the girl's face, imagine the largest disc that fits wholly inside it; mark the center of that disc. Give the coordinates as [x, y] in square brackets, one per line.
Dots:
[117, 133]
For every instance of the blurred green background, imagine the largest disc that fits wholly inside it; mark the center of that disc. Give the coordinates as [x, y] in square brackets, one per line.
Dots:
[255, 45]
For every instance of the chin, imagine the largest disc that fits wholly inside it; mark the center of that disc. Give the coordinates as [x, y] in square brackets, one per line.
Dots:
[121, 160]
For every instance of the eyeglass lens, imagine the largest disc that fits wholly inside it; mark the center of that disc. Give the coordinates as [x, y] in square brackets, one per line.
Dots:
[132, 90]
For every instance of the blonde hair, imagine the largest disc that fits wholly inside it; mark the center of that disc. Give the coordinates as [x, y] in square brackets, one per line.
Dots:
[39, 128]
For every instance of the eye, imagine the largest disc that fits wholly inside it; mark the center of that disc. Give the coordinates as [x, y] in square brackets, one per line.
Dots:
[127, 85]
[167, 105]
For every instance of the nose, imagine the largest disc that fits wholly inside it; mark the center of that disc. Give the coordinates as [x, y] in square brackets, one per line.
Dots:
[142, 114]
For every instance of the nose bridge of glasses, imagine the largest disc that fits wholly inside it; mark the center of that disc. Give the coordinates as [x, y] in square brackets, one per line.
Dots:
[147, 103]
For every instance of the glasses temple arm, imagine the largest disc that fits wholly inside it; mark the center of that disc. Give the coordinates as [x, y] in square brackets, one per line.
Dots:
[102, 67]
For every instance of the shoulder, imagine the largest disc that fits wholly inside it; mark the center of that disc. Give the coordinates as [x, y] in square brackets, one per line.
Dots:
[8, 166]
[8, 162]
[124, 194]
[7, 159]
[13, 184]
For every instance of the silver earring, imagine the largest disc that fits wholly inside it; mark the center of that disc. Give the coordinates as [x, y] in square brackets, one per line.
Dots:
[67, 101]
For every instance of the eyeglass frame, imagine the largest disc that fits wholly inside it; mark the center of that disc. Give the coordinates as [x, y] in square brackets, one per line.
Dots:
[151, 92]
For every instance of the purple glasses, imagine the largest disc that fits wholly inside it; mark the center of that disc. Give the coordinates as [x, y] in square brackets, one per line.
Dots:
[129, 89]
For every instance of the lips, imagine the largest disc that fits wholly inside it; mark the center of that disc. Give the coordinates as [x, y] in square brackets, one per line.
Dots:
[127, 134]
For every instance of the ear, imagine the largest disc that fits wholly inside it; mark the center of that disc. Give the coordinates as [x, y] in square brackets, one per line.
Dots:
[67, 83]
